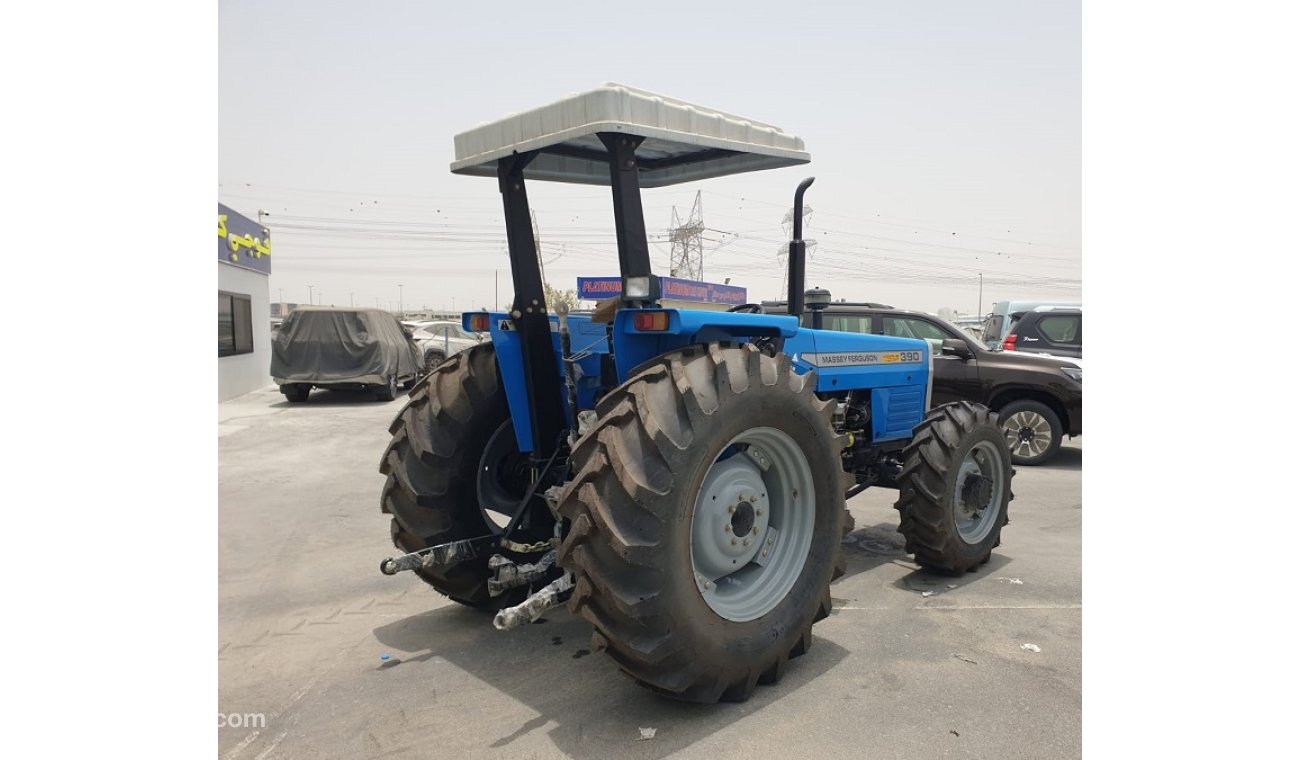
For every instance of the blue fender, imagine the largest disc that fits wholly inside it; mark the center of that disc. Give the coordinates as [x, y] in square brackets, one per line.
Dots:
[587, 341]
[686, 327]
[897, 371]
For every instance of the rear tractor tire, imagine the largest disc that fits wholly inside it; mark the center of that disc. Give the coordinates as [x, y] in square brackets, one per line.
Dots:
[954, 488]
[451, 453]
[705, 519]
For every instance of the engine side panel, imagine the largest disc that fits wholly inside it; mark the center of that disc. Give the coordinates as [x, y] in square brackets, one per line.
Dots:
[895, 370]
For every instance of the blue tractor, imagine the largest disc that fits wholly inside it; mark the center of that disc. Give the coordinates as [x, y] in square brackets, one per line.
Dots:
[677, 476]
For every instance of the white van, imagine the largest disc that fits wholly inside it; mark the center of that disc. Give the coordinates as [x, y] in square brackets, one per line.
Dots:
[998, 323]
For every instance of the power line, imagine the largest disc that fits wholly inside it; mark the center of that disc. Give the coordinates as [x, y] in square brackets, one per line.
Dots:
[918, 225]
[937, 227]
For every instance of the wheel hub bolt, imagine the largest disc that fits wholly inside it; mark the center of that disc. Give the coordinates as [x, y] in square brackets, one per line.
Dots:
[733, 542]
[755, 530]
[747, 542]
[708, 584]
[758, 512]
[726, 528]
[731, 508]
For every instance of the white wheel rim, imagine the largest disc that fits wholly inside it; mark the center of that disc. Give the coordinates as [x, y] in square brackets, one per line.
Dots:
[975, 513]
[752, 524]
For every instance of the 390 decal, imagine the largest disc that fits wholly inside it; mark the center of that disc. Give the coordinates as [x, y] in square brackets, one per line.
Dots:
[902, 357]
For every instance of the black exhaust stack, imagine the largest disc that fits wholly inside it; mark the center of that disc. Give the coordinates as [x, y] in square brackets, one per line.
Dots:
[794, 300]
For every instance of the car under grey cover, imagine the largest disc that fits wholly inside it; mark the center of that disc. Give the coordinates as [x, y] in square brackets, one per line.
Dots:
[337, 346]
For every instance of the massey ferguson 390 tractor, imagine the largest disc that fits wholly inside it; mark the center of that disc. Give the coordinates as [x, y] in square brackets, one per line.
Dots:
[677, 476]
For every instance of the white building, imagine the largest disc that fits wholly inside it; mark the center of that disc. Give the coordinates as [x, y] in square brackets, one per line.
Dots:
[243, 304]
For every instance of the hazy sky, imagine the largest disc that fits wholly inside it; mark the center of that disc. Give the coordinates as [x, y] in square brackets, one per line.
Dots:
[945, 139]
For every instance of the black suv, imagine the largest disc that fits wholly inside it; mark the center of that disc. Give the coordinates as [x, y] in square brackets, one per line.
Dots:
[1039, 399]
[1046, 330]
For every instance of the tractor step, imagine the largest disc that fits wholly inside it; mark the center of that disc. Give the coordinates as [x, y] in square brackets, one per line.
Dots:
[441, 555]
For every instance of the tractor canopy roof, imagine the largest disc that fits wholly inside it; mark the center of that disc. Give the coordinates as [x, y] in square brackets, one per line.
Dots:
[683, 142]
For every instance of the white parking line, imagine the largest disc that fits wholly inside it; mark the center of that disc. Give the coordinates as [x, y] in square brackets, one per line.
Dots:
[977, 607]
[274, 717]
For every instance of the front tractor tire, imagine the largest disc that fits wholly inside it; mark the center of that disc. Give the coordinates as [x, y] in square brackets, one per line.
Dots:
[450, 443]
[955, 488]
[705, 519]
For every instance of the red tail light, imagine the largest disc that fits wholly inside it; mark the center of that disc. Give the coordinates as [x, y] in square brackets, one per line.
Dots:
[650, 321]
[1010, 343]
[478, 323]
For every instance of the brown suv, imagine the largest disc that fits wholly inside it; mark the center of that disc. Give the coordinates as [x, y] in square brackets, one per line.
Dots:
[1039, 399]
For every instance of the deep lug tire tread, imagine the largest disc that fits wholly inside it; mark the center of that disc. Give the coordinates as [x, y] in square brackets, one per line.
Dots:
[622, 508]
[926, 511]
[431, 463]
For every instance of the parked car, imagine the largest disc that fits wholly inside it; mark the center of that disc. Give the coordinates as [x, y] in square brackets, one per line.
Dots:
[998, 322]
[438, 341]
[1053, 330]
[1038, 399]
[319, 347]
[973, 325]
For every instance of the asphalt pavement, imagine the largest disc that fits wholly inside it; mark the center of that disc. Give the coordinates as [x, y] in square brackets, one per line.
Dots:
[909, 665]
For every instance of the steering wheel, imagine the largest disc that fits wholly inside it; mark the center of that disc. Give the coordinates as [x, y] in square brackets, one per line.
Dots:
[766, 345]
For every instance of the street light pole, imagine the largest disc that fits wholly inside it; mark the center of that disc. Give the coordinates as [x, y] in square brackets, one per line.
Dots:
[310, 300]
[350, 303]
[980, 305]
[400, 312]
